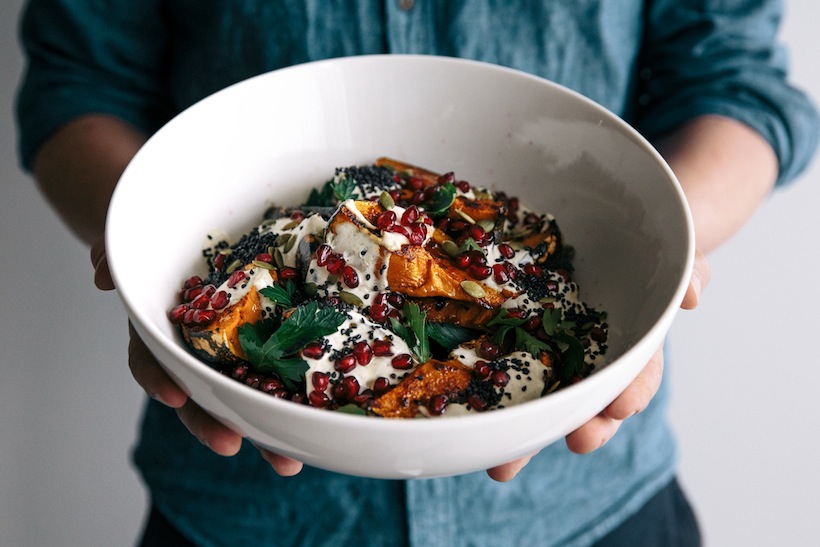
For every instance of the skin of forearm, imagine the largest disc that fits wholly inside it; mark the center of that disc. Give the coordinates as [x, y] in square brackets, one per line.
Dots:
[78, 167]
[726, 170]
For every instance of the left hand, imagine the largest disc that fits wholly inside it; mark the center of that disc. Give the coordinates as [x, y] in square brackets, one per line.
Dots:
[596, 433]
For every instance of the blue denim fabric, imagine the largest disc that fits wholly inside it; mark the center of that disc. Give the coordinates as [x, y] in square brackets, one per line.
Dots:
[655, 63]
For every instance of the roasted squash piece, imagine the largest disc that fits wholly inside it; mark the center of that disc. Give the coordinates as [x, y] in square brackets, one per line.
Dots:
[448, 378]
[219, 340]
[416, 272]
[428, 178]
[477, 209]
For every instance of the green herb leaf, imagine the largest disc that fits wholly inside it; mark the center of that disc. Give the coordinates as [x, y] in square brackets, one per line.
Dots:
[441, 200]
[350, 408]
[573, 355]
[449, 336]
[321, 198]
[414, 332]
[270, 348]
[279, 294]
[471, 245]
[525, 341]
[344, 189]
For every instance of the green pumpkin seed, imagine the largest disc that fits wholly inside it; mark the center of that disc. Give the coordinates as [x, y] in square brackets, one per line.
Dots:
[450, 247]
[289, 243]
[291, 225]
[386, 201]
[278, 259]
[263, 265]
[233, 266]
[311, 289]
[473, 289]
[350, 298]
[281, 239]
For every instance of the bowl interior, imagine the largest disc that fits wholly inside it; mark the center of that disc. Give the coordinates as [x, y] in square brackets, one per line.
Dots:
[270, 139]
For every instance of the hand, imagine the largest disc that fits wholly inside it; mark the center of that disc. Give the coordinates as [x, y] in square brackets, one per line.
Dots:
[596, 433]
[159, 386]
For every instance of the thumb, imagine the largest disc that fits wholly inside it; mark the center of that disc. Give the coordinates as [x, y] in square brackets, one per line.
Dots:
[701, 274]
[102, 275]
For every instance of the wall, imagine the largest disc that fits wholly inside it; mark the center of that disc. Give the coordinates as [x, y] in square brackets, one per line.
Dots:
[745, 371]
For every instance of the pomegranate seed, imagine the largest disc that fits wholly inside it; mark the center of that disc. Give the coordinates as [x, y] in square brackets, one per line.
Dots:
[320, 381]
[346, 389]
[264, 257]
[500, 378]
[532, 323]
[410, 215]
[200, 302]
[203, 317]
[395, 194]
[378, 312]
[236, 278]
[345, 364]
[288, 273]
[208, 290]
[399, 229]
[417, 234]
[480, 271]
[463, 185]
[443, 224]
[335, 264]
[532, 269]
[402, 361]
[531, 218]
[512, 205]
[252, 380]
[381, 386]
[477, 232]
[500, 274]
[512, 271]
[396, 299]
[506, 251]
[463, 261]
[458, 225]
[415, 183]
[381, 348]
[447, 177]
[191, 293]
[429, 192]
[188, 318]
[218, 261]
[239, 372]
[177, 314]
[386, 220]
[319, 399]
[381, 299]
[350, 277]
[481, 370]
[192, 281]
[297, 215]
[517, 313]
[220, 300]
[598, 334]
[363, 353]
[418, 197]
[363, 398]
[323, 253]
[314, 350]
[272, 386]
[488, 349]
[477, 257]
[477, 402]
[437, 404]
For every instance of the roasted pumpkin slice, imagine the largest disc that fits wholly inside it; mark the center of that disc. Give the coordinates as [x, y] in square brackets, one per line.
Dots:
[448, 378]
[219, 340]
[427, 177]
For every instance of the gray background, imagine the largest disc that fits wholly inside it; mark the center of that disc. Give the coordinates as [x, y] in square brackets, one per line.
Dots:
[745, 368]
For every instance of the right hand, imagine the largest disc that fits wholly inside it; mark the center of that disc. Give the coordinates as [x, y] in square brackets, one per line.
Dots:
[158, 385]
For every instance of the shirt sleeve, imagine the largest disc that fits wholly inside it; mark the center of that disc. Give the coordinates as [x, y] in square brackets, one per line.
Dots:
[722, 57]
[88, 57]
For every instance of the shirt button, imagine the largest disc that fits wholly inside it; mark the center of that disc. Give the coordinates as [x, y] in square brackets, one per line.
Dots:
[406, 5]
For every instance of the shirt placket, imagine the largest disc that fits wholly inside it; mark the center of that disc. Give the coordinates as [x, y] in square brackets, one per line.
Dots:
[410, 26]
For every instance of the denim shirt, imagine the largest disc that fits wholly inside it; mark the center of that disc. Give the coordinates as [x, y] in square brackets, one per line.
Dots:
[655, 63]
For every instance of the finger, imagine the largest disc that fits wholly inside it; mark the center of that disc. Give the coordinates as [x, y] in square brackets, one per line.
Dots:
[102, 275]
[149, 374]
[592, 435]
[284, 466]
[640, 392]
[701, 275]
[508, 471]
[208, 430]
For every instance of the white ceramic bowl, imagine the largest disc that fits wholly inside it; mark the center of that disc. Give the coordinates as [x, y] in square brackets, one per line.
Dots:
[270, 139]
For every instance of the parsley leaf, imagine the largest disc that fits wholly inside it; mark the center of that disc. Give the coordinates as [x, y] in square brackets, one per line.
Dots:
[441, 200]
[449, 336]
[415, 332]
[280, 295]
[344, 189]
[271, 348]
